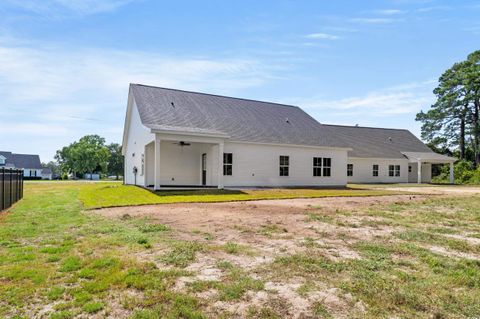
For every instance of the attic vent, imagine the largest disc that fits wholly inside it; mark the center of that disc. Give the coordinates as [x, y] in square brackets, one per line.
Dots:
[390, 139]
[287, 120]
[173, 104]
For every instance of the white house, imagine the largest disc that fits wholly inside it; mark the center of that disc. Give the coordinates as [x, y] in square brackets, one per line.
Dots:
[47, 173]
[381, 155]
[31, 165]
[175, 138]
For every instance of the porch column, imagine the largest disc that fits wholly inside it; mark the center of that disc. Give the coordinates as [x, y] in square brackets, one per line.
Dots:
[156, 166]
[452, 178]
[220, 165]
[419, 172]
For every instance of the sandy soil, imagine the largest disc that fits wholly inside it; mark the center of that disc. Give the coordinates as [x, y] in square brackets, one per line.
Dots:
[438, 190]
[269, 229]
[272, 228]
[215, 218]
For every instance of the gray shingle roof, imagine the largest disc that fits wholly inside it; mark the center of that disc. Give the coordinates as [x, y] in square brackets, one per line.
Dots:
[22, 160]
[370, 142]
[46, 171]
[428, 157]
[240, 119]
[8, 158]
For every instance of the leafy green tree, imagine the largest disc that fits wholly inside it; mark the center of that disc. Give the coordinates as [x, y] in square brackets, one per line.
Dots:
[115, 162]
[88, 155]
[66, 159]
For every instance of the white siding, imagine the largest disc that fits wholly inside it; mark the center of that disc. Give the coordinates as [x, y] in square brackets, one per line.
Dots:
[137, 137]
[363, 170]
[258, 165]
[181, 165]
[426, 173]
[32, 172]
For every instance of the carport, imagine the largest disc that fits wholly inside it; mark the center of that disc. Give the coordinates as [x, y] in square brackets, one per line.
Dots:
[423, 159]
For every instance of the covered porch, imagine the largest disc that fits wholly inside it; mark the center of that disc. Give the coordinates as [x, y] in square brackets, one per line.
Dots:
[182, 161]
[420, 166]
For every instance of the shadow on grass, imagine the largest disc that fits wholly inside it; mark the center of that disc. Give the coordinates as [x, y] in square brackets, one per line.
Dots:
[199, 192]
[248, 191]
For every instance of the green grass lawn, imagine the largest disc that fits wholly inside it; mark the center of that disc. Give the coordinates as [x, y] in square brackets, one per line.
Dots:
[53, 254]
[98, 195]
[59, 261]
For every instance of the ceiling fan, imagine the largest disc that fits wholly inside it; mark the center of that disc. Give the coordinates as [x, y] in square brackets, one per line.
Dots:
[182, 143]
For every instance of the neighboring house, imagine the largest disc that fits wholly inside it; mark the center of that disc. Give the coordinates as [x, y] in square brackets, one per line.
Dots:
[47, 173]
[32, 168]
[93, 177]
[175, 138]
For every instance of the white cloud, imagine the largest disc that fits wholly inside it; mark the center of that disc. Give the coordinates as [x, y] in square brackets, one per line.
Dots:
[64, 93]
[434, 8]
[389, 11]
[401, 99]
[324, 36]
[57, 8]
[373, 20]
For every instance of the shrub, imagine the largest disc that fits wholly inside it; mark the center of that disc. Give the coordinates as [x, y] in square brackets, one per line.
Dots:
[463, 171]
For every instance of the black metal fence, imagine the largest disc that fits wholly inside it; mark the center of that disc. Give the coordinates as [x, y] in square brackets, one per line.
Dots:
[11, 187]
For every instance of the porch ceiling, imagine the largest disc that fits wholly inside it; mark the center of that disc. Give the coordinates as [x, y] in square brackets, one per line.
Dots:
[429, 157]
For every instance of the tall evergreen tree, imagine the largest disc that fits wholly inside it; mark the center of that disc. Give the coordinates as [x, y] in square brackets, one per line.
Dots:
[455, 116]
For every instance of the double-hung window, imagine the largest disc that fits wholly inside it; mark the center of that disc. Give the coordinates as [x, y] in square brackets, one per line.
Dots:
[227, 164]
[393, 170]
[327, 166]
[317, 166]
[349, 169]
[322, 166]
[284, 165]
[375, 170]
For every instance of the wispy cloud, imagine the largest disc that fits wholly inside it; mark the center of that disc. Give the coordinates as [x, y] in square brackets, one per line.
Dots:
[434, 8]
[475, 29]
[323, 36]
[64, 93]
[58, 8]
[372, 20]
[401, 99]
[389, 12]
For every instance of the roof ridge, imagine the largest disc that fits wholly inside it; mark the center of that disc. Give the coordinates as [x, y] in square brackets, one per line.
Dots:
[216, 95]
[26, 154]
[369, 127]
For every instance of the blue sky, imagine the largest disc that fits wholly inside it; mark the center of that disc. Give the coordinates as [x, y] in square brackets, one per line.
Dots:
[65, 65]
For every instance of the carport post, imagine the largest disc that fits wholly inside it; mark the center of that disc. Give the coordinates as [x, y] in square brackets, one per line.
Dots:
[419, 172]
[452, 178]
[156, 170]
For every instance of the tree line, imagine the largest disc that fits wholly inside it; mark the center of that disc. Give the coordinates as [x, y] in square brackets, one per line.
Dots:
[89, 155]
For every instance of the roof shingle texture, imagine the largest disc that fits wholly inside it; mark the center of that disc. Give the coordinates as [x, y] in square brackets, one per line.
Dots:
[240, 119]
[369, 142]
[21, 160]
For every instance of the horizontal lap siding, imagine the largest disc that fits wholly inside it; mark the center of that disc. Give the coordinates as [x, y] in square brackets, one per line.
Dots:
[258, 165]
[363, 171]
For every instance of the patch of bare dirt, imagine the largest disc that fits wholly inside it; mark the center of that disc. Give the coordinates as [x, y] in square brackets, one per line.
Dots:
[238, 220]
[269, 229]
[452, 253]
[438, 190]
